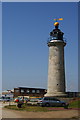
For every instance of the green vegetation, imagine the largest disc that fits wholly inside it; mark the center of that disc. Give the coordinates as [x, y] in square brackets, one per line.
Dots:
[75, 104]
[28, 108]
[14, 107]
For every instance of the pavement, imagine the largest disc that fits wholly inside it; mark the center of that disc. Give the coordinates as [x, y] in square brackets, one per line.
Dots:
[4, 111]
[7, 113]
[52, 114]
[0, 110]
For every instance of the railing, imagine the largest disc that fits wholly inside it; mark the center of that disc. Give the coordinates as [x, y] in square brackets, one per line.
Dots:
[52, 38]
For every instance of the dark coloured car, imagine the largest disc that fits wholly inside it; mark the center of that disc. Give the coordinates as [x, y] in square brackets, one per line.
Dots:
[5, 99]
[51, 101]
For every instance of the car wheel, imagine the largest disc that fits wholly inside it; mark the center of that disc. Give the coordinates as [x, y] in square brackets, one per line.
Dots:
[47, 104]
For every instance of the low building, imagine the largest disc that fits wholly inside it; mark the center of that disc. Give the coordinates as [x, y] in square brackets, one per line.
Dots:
[8, 93]
[73, 94]
[30, 92]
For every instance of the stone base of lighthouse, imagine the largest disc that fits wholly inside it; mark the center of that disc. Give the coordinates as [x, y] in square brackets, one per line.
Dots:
[56, 94]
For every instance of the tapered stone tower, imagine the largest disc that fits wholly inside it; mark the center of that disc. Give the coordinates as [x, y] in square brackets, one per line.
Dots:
[56, 69]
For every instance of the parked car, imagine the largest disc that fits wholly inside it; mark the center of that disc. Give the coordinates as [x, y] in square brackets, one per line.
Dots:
[39, 99]
[51, 101]
[0, 98]
[33, 101]
[26, 99]
[5, 99]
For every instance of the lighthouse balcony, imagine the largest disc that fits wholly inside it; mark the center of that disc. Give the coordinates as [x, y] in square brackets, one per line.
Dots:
[53, 40]
[56, 39]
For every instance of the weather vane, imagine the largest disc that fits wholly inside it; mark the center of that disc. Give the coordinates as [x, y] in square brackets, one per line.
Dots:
[56, 24]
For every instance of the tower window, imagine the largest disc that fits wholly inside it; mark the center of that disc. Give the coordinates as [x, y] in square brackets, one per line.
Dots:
[16, 90]
[55, 32]
[27, 91]
[37, 91]
[33, 91]
[22, 91]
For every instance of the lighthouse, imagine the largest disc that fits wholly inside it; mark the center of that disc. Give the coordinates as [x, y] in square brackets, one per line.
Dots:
[56, 67]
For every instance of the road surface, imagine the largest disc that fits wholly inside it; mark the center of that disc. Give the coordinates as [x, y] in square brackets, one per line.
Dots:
[52, 114]
[7, 113]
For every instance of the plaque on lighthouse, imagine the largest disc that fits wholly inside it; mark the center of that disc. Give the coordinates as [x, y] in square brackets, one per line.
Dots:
[56, 67]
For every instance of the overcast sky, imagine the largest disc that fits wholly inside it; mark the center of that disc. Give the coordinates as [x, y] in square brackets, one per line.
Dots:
[25, 31]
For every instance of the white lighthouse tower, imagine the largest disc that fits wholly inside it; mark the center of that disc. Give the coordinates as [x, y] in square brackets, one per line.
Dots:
[56, 69]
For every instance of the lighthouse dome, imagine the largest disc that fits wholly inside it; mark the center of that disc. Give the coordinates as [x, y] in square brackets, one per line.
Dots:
[57, 34]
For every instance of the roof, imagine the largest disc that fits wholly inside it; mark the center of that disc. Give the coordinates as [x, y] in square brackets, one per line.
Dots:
[31, 88]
